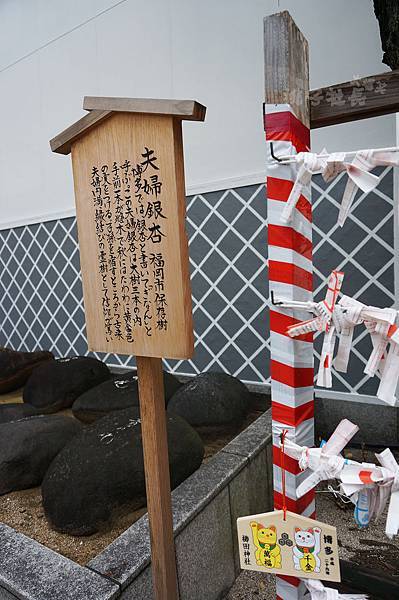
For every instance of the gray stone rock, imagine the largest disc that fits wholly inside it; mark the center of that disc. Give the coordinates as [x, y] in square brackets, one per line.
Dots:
[211, 399]
[116, 394]
[16, 367]
[28, 446]
[56, 385]
[103, 469]
[15, 411]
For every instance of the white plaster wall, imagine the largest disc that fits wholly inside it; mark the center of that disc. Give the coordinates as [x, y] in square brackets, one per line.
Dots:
[53, 52]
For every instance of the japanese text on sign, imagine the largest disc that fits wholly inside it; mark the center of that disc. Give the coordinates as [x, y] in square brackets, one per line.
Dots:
[129, 215]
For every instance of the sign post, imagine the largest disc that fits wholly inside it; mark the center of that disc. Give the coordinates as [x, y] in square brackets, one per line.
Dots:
[128, 169]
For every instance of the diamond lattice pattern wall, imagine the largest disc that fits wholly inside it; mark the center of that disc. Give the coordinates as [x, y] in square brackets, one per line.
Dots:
[41, 303]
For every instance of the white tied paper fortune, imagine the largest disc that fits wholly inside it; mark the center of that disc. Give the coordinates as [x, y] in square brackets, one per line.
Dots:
[325, 462]
[331, 165]
[381, 482]
[309, 164]
[339, 318]
[323, 322]
[318, 591]
[380, 324]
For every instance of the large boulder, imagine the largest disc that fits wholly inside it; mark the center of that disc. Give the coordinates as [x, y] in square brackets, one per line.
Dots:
[116, 394]
[16, 367]
[56, 384]
[102, 469]
[28, 446]
[211, 399]
[15, 411]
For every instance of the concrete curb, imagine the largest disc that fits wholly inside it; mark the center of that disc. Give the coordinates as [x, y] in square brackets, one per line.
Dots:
[235, 482]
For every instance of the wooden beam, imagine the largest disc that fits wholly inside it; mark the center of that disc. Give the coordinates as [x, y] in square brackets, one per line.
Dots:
[102, 107]
[62, 142]
[286, 64]
[189, 110]
[157, 478]
[355, 100]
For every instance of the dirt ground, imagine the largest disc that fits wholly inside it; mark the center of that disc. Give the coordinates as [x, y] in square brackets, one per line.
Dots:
[23, 510]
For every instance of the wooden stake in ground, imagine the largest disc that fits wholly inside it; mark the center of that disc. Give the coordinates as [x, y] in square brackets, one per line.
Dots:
[290, 260]
[127, 158]
[156, 466]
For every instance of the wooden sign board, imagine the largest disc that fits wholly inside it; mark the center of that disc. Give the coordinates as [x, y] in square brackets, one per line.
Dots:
[130, 203]
[297, 546]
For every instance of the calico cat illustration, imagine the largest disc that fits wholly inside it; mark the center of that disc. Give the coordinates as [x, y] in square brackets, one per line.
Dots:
[268, 551]
[306, 549]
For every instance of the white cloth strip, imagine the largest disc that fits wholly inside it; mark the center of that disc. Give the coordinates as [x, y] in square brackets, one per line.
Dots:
[291, 397]
[292, 482]
[309, 164]
[387, 460]
[319, 592]
[302, 225]
[287, 290]
[294, 353]
[302, 434]
[286, 590]
[390, 376]
[278, 108]
[309, 511]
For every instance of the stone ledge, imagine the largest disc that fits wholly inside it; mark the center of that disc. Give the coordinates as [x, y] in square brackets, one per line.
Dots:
[130, 553]
[253, 439]
[31, 571]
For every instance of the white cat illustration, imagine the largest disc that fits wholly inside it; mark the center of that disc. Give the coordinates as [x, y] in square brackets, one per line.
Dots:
[306, 549]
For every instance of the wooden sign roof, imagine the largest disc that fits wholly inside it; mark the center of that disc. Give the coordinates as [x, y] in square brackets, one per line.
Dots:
[101, 108]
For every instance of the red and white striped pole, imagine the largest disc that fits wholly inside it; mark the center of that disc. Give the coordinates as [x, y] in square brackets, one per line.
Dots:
[287, 118]
[290, 277]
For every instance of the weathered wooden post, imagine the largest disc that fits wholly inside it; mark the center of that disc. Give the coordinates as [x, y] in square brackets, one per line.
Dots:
[290, 258]
[128, 169]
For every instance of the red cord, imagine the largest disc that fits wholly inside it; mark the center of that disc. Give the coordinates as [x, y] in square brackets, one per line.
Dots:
[283, 434]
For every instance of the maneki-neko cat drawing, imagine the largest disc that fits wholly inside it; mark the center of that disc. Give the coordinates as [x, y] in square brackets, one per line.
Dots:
[306, 549]
[268, 551]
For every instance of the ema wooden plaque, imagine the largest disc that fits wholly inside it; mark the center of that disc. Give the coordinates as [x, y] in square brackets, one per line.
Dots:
[130, 203]
[297, 546]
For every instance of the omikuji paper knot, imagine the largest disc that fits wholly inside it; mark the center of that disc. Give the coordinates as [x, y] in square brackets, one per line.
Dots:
[309, 164]
[324, 321]
[325, 462]
[380, 482]
[319, 592]
[381, 485]
[387, 460]
[341, 319]
[331, 165]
